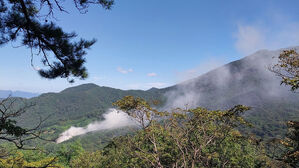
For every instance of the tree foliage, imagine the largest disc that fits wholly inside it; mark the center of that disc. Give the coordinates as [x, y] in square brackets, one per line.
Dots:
[23, 20]
[10, 131]
[288, 68]
[177, 138]
[21, 160]
[183, 138]
[291, 142]
[68, 152]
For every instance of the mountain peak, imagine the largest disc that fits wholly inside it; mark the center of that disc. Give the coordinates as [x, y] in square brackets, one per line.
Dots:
[153, 89]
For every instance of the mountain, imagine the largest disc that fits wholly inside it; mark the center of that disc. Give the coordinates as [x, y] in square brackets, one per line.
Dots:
[77, 106]
[6, 93]
[246, 81]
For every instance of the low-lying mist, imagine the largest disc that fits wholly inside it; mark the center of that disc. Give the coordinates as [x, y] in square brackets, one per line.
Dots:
[112, 119]
[239, 82]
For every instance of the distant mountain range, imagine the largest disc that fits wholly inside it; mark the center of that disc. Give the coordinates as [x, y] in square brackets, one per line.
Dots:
[246, 81]
[6, 93]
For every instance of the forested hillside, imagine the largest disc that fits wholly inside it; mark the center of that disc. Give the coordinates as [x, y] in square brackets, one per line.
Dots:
[247, 81]
[76, 106]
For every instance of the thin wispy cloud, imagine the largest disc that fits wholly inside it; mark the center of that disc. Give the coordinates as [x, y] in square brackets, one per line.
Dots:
[249, 39]
[151, 74]
[256, 36]
[200, 69]
[124, 71]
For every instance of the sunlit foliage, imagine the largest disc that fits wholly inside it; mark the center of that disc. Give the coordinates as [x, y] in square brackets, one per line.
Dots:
[288, 68]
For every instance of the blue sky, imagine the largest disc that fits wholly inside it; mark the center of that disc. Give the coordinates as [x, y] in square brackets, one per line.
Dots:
[153, 43]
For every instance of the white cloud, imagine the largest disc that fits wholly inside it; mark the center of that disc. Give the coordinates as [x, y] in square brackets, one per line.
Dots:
[112, 119]
[124, 71]
[151, 74]
[202, 68]
[253, 37]
[249, 39]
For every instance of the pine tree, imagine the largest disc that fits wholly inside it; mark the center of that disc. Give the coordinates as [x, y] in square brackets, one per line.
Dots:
[21, 21]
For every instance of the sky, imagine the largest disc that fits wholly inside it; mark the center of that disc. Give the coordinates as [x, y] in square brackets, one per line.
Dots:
[153, 43]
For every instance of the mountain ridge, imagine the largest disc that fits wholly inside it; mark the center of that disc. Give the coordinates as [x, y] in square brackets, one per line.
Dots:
[17, 93]
[246, 81]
